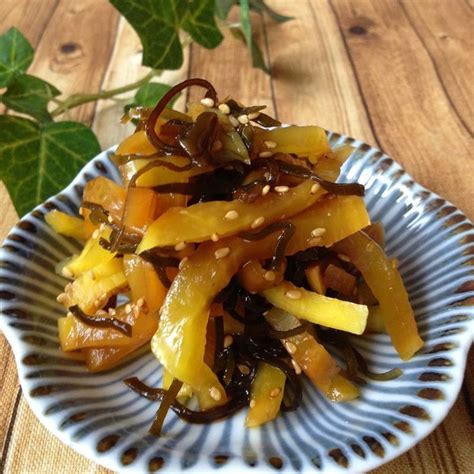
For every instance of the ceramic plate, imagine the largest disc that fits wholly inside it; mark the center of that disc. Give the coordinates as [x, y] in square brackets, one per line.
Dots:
[98, 417]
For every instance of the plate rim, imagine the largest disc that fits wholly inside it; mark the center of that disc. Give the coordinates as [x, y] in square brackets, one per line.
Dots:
[101, 459]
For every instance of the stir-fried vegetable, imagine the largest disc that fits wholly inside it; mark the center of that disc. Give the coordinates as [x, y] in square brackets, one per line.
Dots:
[387, 286]
[231, 251]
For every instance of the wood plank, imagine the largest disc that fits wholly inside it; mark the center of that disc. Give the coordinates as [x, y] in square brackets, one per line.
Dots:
[125, 68]
[34, 449]
[75, 50]
[229, 69]
[312, 75]
[8, 378]
[447, 34]
[412, 117]
[29, 16]
[447, 449]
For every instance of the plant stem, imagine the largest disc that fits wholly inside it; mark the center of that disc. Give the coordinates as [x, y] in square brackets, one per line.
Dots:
[78, 99]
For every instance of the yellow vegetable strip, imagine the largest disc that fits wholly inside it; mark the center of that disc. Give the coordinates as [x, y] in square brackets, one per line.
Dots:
[180, 340]
[387, 286]
[199, 222]
[307, 140]
[266, 395]
[318, 309]
[69, 225]
[313, 358]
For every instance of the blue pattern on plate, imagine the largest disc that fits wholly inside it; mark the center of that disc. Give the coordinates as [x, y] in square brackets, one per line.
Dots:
[100, 418]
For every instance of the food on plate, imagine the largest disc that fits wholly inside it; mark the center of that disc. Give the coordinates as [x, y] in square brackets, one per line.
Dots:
[231, 252]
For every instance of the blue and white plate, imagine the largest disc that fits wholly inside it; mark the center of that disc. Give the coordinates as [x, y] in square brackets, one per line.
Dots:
[100, 418]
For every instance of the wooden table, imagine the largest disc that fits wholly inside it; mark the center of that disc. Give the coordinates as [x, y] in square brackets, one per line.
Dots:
[397, 75]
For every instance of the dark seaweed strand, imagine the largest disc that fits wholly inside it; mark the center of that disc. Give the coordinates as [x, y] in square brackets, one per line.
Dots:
[287, 231]
[160, 263]
[168, 399]
[381, 377]
[191, 416]
[100, 322]
[157, 164]
[101, 216]
[335, 188]
[160, 106]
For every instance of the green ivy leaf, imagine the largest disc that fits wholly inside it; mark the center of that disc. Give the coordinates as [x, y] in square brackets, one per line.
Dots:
[149, 94]
[223, 7]
[30, 95]
[261, 7]
[200, 24]
[16, 55]
[246, 27]
[157, 23]
[37, 161]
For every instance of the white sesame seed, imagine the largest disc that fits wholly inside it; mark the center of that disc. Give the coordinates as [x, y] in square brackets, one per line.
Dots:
[290, 347]
[257, 222]
[228, 340]
[282, 189]
[269, 276]
[243, 369]
[112, 311]
[180, 246]
[102, 227]
[293, 294]
[296, 366]
[265, 154]
[215, 394]
[215, 237]
[183, 261]
[252, 403]
[275, 392]
[110, 219]
[315, 241]
[81, 211]
[234, 122]
[222, 252]
[315, 188]
[231, 215]
[67, 273]
[266, 190]
[270, 144]
[265, 313]
[318, 232]
[136, 310]
[267, 175]
[95, 234]
[140, 302]
[128, 308]
[69, 314]
[343, 257]
[253, 115]
[207, 102]
[61, 297]
[224, 108]
[243, 119]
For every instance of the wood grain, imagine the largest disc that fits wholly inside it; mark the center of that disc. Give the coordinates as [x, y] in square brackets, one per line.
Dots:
[447, 35]
[124, 68]
[230, 79]
[319, 87]
[75, 50]
[412, 117]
